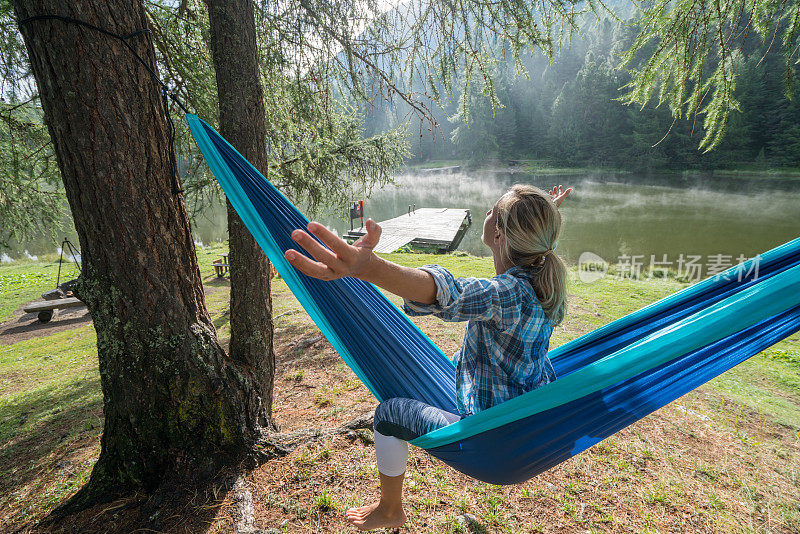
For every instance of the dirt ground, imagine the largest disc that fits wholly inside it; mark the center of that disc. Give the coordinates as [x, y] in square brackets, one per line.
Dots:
[23, 326]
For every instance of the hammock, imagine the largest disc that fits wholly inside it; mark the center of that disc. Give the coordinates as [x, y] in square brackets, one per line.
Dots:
[607, 379]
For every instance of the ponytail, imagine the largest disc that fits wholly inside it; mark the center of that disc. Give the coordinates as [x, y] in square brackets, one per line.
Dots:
[531, 223]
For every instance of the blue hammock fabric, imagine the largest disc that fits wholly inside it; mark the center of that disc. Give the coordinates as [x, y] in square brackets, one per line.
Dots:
[607, 379]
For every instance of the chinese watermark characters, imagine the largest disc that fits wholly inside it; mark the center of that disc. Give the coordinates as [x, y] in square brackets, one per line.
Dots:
[688, 267]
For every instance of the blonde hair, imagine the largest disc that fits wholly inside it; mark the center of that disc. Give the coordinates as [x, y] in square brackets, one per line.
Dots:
[531, 222]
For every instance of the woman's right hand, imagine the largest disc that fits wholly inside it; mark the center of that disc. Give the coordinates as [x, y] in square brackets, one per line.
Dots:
[340, 259]
[358, 260]
[558, 194]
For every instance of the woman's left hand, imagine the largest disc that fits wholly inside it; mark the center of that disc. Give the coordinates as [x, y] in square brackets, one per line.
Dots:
[337, 260]
[558, 194]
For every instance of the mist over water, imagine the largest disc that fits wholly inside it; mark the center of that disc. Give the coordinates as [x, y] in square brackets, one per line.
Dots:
[612, 218]
[609, 215]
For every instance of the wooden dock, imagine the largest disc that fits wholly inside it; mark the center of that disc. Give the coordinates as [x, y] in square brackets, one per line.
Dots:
[440, 229]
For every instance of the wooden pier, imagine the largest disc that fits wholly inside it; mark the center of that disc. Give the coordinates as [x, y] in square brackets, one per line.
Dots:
[439, 229]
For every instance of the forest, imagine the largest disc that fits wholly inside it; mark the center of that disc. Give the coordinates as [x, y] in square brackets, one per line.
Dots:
[570, 112]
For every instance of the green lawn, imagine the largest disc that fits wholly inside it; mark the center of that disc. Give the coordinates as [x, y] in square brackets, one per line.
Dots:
[25, 280]
[51, 403]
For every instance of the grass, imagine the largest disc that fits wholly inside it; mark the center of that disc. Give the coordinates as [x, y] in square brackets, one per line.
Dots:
[50, 418]
[325, 502]
[437, 164]
[23, 280]
[754, 172]
[723, 458]
[745, 172]
[547, 168]
[533, 166]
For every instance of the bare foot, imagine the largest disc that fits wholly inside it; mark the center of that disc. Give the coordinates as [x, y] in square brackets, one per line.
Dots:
[376, 516]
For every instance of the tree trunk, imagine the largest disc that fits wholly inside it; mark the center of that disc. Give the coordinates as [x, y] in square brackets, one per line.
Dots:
[173, 401]
[242, 120]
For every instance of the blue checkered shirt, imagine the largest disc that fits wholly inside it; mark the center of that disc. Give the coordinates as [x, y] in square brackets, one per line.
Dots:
[504, 352]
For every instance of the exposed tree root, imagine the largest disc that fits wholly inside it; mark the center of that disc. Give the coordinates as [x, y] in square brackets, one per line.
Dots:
[277, 444]
[185, 493]
[244, 520]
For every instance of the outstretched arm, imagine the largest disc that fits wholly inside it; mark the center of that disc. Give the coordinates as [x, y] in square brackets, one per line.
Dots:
[358, 260]
[558, 194]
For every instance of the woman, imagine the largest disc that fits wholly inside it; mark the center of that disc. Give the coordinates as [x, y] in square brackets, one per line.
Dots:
[510, 320]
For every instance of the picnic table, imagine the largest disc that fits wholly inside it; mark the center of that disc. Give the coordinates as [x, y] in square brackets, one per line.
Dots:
[221, 265]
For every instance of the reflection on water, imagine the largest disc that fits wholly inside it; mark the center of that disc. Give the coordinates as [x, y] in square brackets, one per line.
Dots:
[616, 219]
[608, 215]
[612, 218]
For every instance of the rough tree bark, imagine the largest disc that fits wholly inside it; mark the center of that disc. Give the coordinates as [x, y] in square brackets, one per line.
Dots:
[242, 120]
[173, 401]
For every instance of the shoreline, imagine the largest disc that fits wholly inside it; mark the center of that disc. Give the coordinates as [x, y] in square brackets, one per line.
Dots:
[749, 172]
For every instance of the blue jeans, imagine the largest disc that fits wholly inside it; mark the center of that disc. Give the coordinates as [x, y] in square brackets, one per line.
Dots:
[407, 419]
[396, 422]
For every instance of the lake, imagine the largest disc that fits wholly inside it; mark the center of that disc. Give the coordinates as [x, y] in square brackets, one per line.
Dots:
[615, 216]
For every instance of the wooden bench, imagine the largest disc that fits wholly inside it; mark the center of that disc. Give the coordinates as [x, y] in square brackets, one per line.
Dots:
[46, 308]
[221, 265]
[221, 269]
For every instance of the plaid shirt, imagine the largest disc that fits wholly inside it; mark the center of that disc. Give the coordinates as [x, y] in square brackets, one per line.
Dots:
[504, 352]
